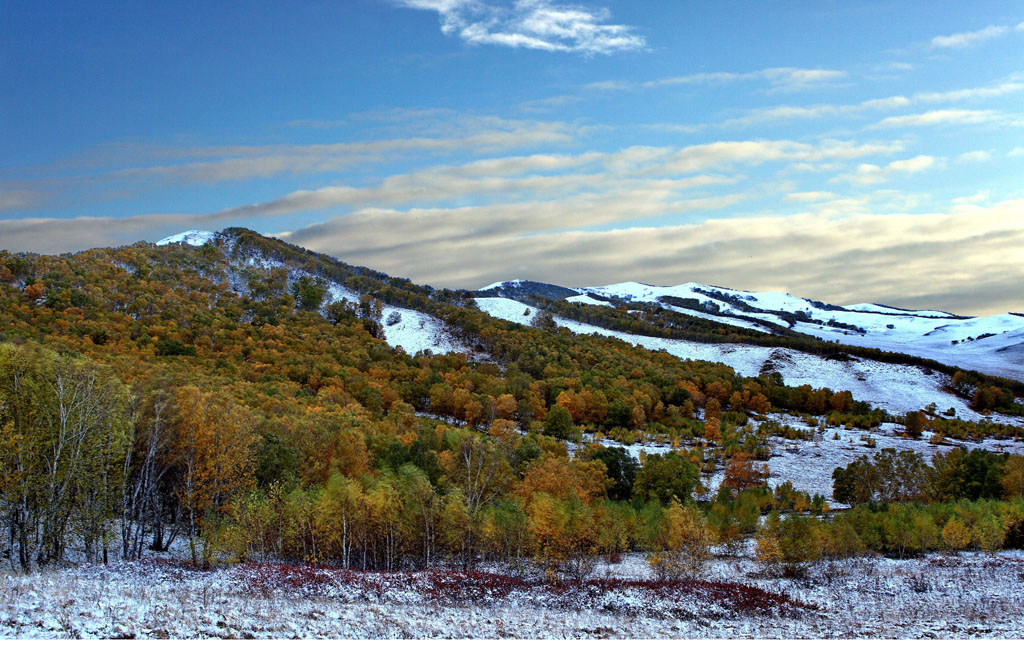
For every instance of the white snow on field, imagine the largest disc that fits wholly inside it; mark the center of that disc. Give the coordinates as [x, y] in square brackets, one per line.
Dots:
[189, 237]
[417, 331]
[936, 596]
[645, 447]
[809, 464]
[728, 320]
[587, 300]
[897, 389]
[924, 333]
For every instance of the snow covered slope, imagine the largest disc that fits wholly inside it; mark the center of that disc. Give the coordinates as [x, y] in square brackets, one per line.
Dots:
[991, 344]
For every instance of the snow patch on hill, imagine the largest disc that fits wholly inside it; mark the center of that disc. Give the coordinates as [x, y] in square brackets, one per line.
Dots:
[884, 309]
[498, 285]
[189, 238]
[809, 464]
[584, 299]
[416, 331]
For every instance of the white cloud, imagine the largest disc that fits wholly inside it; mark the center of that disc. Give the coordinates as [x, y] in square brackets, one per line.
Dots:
[1016, 152]
[810, 196]
[532, 24]
[819, 111]
[867, 174]
[942, 116]
[531, 175]
[225, 164]
[992, 91]
[543, 105]
[57, 235]
[894, 67]
[974, 157]
[980, 196]
[13, 199]
[965, 39]
[728, 153]
[813, 112]
[608, 85]
[782, 78]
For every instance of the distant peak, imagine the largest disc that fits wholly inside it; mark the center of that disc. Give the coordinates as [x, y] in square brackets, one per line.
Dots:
[498, 285]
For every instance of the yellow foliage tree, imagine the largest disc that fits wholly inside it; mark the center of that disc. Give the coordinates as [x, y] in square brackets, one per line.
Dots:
[683, 545]
[213, 452]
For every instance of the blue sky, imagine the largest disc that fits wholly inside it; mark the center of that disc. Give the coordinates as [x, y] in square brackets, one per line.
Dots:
[847, 151]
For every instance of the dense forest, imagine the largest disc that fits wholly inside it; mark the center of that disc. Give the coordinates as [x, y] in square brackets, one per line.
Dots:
[217, 395]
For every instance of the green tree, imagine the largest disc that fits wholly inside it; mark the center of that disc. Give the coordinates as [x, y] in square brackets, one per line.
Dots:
[666, 477]
[309, 292]
[558, 423]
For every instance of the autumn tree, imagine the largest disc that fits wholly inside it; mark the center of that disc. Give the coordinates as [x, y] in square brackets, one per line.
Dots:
[1013, 477]
[743, 473]
[913, 424]
[213, 454]
[558, 423]
[474, 465]
[682, 546]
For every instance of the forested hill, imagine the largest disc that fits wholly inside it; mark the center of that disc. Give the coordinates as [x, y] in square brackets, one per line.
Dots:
[134, 303]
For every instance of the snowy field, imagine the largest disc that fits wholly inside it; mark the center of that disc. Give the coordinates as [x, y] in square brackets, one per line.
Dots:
[943, 596]
[809, 464]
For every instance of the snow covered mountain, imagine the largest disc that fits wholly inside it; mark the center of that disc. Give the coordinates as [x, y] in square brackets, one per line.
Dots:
[990, 344]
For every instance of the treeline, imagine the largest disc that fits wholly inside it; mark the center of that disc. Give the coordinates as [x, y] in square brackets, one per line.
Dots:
[786, 544]
[89, 462]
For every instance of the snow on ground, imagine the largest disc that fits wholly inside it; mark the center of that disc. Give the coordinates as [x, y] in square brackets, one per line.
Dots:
[587, 300]
[938, 596]
[728, 320]
[809, 464]
[896, 388]
[647, 447]
[190, 238]
[416, 331]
